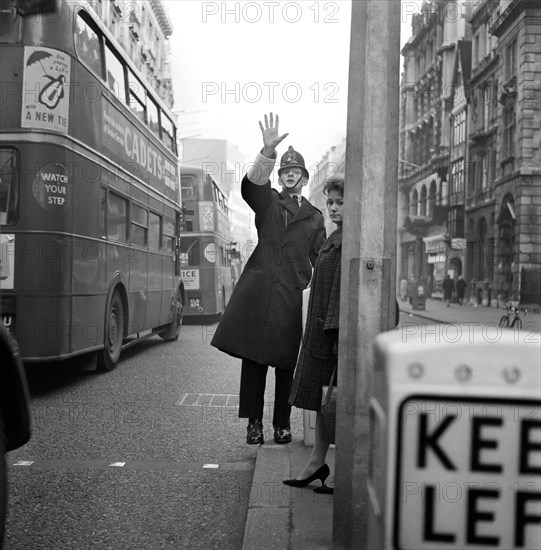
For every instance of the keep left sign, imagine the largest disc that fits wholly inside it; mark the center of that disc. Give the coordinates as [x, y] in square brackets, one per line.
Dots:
[468, 474]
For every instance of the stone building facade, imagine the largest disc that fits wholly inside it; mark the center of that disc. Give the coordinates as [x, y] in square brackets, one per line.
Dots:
[517, 187]
[143, 29]
[470, 190]
[425, 202]
[483, 122]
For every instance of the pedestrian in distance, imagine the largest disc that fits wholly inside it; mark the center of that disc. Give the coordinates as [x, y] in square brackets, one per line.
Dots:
[461, 285]
[262, 323]
[448, 287]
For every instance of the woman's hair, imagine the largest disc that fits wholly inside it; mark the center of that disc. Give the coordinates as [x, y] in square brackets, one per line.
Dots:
[334, 183]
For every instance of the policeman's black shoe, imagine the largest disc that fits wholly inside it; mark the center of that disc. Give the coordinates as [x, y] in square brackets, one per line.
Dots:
[282, 434]
[254, 432]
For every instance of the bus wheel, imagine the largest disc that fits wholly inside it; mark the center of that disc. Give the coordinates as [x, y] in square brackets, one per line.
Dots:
[172, 332]
[114, 334]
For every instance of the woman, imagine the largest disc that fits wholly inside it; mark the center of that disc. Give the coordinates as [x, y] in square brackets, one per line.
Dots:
[319, 351]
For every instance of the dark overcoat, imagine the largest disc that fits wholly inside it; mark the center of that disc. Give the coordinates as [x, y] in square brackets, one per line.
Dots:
[318, 356]
[263, 320]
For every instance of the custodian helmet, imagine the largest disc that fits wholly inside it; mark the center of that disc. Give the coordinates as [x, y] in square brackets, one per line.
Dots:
[293, 159]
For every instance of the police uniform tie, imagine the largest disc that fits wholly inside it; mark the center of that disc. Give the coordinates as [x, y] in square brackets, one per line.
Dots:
[296, 199]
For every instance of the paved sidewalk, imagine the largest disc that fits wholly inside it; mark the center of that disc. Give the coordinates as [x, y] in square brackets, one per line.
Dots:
[437, 312]
[284, 518]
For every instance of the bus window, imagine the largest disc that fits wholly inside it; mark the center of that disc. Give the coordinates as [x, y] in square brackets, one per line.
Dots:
[152, 114]
[139, 225]
[137, 97]
[117, 209]
[187, 187]
[115, 74]
[154, 231]
[168, 235]
[190, 251]
[168, 132]
[9, 189]
[87, 44]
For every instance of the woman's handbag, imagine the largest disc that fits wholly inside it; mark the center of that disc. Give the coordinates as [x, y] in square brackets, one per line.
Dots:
[327, 418]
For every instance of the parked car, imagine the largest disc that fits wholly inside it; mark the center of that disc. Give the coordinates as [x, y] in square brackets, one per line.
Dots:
[14, 413]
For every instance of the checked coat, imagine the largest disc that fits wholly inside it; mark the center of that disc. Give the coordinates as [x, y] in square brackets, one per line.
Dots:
[318, 356]
[263, 319]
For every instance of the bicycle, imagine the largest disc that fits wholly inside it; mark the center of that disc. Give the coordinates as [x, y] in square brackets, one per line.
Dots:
[512, 318]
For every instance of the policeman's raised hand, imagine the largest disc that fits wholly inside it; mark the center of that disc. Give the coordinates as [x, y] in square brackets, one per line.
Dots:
[271, 136]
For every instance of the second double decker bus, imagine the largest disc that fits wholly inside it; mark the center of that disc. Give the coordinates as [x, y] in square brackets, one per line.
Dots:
[89, 191]
[205, 245]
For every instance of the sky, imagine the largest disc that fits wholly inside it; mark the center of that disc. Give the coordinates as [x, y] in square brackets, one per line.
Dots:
[235, 61]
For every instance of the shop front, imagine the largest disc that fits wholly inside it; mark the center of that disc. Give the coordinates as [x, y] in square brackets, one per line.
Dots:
[435, 264]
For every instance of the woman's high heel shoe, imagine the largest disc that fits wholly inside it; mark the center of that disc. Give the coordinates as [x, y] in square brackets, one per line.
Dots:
[321, 473]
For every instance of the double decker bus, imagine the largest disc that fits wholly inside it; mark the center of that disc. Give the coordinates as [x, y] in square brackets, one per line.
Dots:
[205, 245]
[90, 207]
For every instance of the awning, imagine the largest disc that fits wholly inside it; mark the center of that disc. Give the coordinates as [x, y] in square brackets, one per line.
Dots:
[458, 244]
[434, 244]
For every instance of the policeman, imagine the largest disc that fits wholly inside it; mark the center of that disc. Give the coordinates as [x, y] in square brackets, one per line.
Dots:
[262, 324]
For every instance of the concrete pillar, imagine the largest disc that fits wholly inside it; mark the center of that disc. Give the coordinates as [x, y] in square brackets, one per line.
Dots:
[369, 248]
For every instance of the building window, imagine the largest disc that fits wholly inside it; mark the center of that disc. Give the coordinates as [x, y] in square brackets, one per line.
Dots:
[413, 203]
[493, 102]
[484, 171]
[457, 179]
[422, 202]
[455, 223]
[511, 60]
[473, 176]
[492, 167]
[509, 132]
[459, 129]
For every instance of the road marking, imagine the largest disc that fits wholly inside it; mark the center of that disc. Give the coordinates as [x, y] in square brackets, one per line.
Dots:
[208, 400]
[135, 465]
